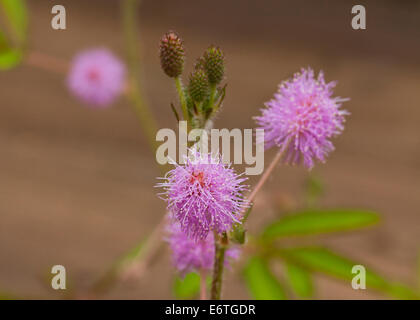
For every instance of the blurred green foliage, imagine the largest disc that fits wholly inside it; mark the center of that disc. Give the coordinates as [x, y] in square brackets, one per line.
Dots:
[13, 38]
[300, 280]
[301, 262]
[7, 296]
[311, 221]
[322, 260]
[261, 282]
[187, 287]
[314, 189]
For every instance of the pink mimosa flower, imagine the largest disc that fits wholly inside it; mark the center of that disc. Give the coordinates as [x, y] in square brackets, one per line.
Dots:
[204, 195]
[189, 255]
[96, 77]
[302, 118]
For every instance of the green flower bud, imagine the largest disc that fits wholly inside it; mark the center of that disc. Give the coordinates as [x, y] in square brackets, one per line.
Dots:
[199, 64]
[198, 87]
[214, 64]
[172, 54]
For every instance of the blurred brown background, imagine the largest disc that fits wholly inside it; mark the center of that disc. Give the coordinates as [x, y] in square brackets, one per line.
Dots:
[76, 184]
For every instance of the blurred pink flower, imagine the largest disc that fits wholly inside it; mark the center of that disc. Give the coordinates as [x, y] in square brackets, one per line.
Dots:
[189, 255]
[96, 77]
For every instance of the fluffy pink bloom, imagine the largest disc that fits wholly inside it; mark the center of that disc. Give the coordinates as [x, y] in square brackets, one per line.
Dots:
[302, 118]
[96, 77]
[203, 195]
[189, 255]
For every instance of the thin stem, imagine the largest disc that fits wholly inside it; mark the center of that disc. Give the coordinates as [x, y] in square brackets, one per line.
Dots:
[42, 61]
[137, 268]
[148, 123]
[181, 93]
[147, 120]
[220, 246]
[133, 269]
[219, 260]
[203, 285]
[266, 174]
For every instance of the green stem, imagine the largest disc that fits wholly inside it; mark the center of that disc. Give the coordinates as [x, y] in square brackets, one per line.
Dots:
[145, 116]
[181, 93]
[219, 260]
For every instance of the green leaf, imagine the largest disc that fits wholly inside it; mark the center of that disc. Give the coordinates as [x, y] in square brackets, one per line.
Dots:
[10, 58]
[311, 222]
[300, 280]
[15, 11]
[188, 287]
[262, 284]
[7, 296]
[323, 260]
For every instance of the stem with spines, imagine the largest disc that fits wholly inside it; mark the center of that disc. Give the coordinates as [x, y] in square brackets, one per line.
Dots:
[220, 246]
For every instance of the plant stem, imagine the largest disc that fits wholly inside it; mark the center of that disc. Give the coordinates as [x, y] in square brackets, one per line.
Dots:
[181, 93]
[147, 121]
[261, 182]
[203, 285]
[219, 260]
[45, 62]
[137, 268]
[220, 246]
[266, 174]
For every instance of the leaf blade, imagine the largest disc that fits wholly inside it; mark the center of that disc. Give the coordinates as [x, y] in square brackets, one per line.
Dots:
[262, 284]
[10, 58]
[322, 260]
[16, 13]
[312, 221]
[300, 280]
[188, 287]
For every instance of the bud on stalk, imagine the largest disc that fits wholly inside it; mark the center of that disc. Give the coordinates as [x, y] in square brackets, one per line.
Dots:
[214, 65]
[172, 54]
[198, 86]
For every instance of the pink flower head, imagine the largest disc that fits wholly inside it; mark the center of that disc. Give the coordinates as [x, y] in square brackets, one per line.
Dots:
[204, 194]
[189, 255]
[302, 118]
[96, 77]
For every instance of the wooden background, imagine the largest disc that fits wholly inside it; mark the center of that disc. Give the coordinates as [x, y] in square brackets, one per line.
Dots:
[76, 184]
